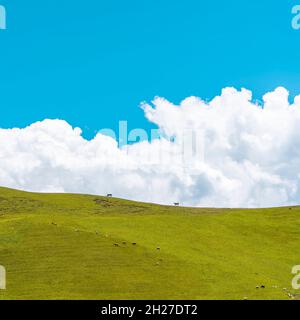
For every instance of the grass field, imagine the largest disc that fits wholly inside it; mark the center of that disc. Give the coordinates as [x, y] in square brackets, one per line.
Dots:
[62, 246]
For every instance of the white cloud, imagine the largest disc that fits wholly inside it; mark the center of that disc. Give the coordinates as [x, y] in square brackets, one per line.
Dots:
[244, 155]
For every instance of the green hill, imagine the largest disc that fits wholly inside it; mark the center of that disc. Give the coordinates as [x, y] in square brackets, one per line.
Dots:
[63, 246]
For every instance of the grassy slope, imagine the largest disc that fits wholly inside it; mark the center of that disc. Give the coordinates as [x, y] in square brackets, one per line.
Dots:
[205, 253]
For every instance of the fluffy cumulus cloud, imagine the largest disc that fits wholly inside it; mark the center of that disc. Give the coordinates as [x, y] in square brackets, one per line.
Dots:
[228, 152]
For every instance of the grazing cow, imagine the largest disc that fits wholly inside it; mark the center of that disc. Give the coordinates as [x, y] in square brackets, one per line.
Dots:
[134, 243]
[116, 245]
[54, 224]
[158, 248]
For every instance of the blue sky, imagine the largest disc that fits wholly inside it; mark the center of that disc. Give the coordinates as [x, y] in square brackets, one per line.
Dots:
[92, 62]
